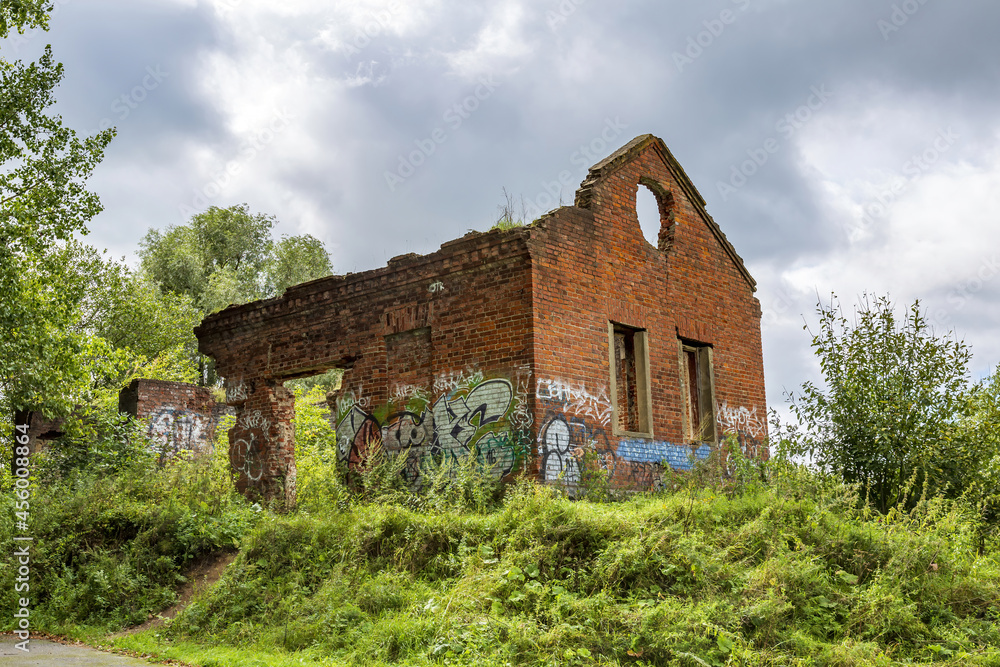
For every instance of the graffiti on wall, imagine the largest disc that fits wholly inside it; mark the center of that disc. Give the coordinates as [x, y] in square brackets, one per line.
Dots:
[405, 393]
[576, 400]
[236, 392]
[740, 420]
[679, 457]
[248, 438]
[563, 443]
[746, 426]
[486, 416]
[576, 433]
[492, 418]
[176, 430]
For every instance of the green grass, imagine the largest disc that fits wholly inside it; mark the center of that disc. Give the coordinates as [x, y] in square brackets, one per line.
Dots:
[758, 579]
[772, 566]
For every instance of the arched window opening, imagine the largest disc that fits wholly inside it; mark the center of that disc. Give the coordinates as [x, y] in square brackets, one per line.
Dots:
[647, 209]
[654, 208]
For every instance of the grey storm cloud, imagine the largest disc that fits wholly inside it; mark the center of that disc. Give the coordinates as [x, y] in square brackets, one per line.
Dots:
[406, 121]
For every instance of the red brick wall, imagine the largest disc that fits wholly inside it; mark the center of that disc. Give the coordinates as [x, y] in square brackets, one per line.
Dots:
[592, 265]
[417, 339]
[497, 343]
[182, 417]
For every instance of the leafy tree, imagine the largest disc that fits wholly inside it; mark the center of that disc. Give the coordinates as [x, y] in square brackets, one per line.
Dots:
[43, 204]
[150, 333]
[889, 415]
[226, 256]
[297, 259]
[982, 429]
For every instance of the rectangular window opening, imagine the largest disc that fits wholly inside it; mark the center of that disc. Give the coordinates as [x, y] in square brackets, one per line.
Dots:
[630, 380]
[698, 392]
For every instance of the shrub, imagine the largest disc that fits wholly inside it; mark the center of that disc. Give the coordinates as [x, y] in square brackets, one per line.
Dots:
[888, 417]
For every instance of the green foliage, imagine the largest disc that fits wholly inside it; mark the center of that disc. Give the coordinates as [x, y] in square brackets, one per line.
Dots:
[508, 218]
[328, 381]
[226, 256]
[888, 415]
[465, 483]
[96, 440]
[320, 479]
[111, 539]
[127, 310]
[739, 562]
[43, 203]
[981, 427]
[21, 14]
[782, 568]
[41, 356]
[143, 331]
[113, 326]
[297, 259]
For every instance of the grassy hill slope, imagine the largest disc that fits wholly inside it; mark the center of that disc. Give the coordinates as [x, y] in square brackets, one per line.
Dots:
[773, 567]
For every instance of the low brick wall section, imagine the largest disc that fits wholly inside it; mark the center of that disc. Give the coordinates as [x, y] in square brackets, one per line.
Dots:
[182, 417]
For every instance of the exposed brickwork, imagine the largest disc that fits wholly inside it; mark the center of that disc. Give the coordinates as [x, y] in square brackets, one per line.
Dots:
[498, 343]
[182, 417]
[40, 429]
[592, 264]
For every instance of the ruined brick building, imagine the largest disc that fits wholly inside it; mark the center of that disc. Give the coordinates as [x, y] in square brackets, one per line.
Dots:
[571, 341]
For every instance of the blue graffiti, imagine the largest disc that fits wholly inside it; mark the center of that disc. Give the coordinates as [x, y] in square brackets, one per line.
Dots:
[680, 457]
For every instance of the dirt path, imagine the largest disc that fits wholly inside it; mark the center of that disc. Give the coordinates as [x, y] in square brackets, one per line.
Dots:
[201, 574]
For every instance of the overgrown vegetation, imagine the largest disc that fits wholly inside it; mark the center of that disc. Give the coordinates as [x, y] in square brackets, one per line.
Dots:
[885, 554]
[897, 412]
[737, 563]
[112, 536]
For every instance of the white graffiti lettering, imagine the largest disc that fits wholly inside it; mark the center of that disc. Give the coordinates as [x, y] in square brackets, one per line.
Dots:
[247, 457]
[576, 400]
[179, 430]
[740, 420]
[236, 392]
[454, 381]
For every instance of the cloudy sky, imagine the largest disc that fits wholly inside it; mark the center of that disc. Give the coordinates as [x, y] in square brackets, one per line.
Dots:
[842, 145]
